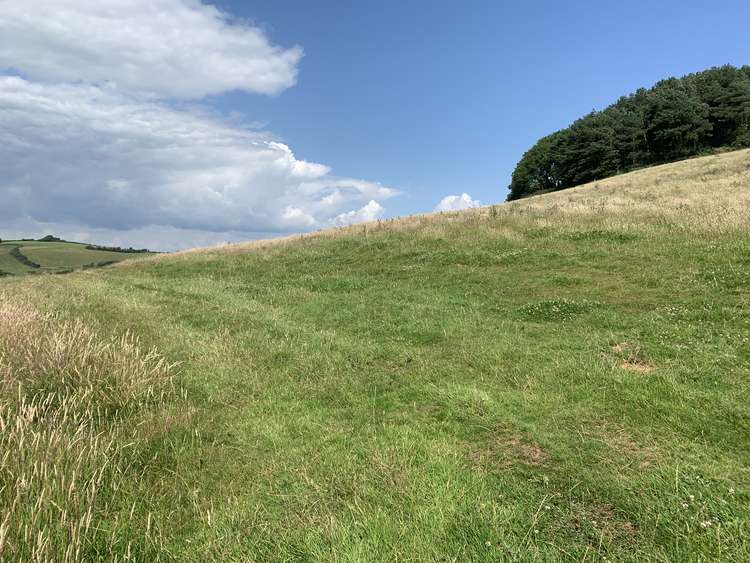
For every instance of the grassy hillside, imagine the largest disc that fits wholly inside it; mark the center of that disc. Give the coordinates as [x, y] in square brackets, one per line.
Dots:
[559, 378]
[25, 257]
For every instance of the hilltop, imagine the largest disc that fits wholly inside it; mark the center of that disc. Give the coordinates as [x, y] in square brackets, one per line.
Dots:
[561, 377]
[52, 255]
[700, 113]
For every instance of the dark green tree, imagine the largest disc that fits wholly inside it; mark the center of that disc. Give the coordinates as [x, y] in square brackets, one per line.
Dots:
[675, 119]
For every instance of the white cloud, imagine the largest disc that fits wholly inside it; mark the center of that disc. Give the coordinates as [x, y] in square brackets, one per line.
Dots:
[88, 157]
[92, 149]
[457, 202]
[168, 48]
[373, 210]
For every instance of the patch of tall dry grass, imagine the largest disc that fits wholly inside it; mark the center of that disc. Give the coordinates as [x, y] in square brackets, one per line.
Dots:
[705, 195]
[69, 401]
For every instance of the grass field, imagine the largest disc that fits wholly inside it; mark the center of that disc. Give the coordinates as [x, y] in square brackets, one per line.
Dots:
[559, 378]
[9, 265]
[52, 257]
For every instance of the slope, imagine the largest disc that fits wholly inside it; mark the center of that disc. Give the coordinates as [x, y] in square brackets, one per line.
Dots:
[558, 378]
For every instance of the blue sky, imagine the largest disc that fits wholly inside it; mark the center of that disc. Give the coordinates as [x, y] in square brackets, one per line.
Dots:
[179, 123]
[439, 97]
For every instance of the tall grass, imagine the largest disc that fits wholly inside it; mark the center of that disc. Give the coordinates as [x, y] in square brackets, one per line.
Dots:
[69, 403]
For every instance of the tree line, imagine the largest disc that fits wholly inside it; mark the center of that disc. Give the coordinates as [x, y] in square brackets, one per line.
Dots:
[130, 250]
[677, 118]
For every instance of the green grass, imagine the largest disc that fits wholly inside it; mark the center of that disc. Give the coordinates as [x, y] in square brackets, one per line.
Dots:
[53, 257]
[9, 265]
[553, 379]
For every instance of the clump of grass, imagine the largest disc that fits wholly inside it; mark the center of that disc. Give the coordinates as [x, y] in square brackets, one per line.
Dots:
[69, 400]
[632, 357]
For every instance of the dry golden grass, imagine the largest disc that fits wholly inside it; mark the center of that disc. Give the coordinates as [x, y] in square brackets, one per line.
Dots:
[65, 397]
[704, 194]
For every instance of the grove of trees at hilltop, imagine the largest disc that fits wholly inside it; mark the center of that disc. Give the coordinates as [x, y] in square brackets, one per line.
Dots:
[677, 118]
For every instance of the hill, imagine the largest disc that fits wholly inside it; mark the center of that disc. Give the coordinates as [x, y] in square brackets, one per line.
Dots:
[54, 256]
[559, 378]
[678, 118]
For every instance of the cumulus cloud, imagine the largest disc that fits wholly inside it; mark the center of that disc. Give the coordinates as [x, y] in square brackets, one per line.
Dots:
[457, 202]
[167, 48]
[86, 155]
[93, 147]
[373, 210]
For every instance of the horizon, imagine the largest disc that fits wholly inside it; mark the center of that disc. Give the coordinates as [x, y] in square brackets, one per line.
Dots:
[279, 118]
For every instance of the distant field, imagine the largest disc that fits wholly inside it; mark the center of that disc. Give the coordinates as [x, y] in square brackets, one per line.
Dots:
[9, 264]
[559, 378]
[53, 257]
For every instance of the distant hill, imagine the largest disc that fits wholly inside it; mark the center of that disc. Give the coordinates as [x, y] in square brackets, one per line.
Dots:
[676, 119]
[53, 255]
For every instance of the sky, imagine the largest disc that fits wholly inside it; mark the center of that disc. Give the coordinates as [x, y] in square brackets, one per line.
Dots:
[179, 123]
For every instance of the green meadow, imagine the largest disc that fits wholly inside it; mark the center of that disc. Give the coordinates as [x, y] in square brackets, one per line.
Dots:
[28, 257]
[564, 377]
